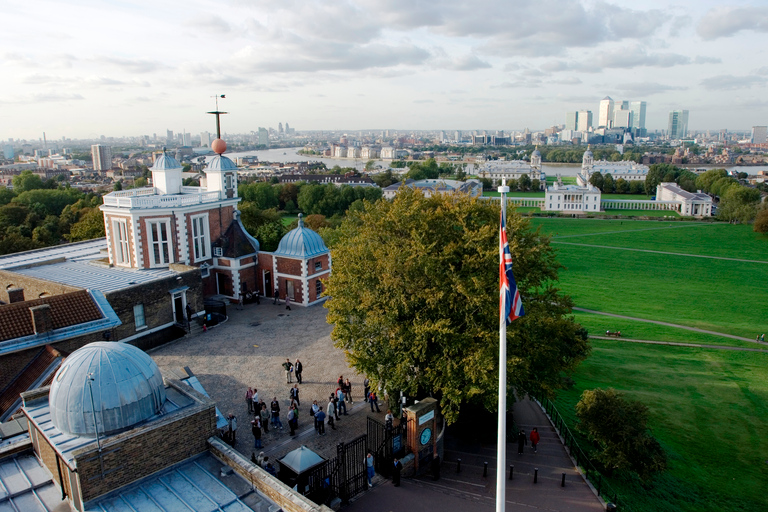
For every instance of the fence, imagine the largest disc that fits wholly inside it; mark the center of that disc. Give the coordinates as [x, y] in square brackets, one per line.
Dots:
[385, 444]
[591, 473]
[343, 476]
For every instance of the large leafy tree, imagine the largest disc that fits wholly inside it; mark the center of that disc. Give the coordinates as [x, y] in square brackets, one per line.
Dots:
[620, 428]
[414, 301]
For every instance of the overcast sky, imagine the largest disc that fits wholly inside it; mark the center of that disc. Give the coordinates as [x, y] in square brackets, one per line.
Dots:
[84, 68]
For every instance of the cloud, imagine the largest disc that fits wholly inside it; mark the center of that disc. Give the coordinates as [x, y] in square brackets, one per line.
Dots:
[468, 62]
[423, 101]
[566, 81]
[634, 56]
[643, 89]
[701, 59]
[728, 21]
[732, 83]
[43, 98]
[522, 83]
[210, 23]
[131, 65]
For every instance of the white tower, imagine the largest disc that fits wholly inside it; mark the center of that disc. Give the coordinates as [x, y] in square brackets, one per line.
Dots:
[166, 175]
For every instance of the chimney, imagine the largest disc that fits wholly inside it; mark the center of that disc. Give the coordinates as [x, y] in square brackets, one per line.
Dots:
[15, 295]
[41, 318]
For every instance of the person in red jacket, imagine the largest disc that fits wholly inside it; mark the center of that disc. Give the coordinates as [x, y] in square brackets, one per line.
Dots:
[535, 439]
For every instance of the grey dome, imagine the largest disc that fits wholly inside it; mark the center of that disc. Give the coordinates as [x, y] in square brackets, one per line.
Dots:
[166, 163]
[221, 163]
[301, 242]
[536, 153]
[127, 389]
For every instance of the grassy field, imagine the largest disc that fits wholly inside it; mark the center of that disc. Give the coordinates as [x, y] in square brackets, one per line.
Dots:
[598, 324]
[708, 409]
[287, 219]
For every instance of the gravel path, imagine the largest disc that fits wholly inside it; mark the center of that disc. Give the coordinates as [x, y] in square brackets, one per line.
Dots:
[680, 344]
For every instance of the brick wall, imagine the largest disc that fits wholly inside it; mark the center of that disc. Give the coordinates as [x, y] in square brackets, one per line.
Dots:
[33, 287]
[288, 266]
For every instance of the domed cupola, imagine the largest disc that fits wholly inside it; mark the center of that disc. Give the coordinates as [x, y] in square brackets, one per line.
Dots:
[166, 175]
[536, 158]
[221, 172]
[301, 242]
[126, 383]
[588, 159]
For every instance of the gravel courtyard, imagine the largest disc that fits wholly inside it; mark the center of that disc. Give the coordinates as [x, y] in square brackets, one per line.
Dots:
[249, 349]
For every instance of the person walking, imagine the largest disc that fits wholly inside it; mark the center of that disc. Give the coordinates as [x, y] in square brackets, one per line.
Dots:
[340, 404]
[331, 412]
[249, 399]
[367, 386]
[256, 430]
[348, 391]
[287, 302]
[264, 417]
[291, 417]
[374, 401]
[535, 438]
[277, 296]
[396, 473]
[295, 393]
[369, 468]
[320, 419]
[189, 315]
[288, 367]
[389, 420]
[297, 369]
[521, 441]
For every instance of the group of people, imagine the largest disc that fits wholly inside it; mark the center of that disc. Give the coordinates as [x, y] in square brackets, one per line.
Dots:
[292, 369]
[522, 440]
[760, 337]
[276, 299]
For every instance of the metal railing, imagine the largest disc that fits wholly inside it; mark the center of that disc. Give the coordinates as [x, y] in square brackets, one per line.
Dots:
[589, 470]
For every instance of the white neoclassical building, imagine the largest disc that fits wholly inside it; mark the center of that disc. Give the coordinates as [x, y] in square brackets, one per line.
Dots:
[693, 204]
[572, 199]
[503, 170]
[626, 169]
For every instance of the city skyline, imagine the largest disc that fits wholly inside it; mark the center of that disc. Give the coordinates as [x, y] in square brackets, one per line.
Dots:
[82, 70]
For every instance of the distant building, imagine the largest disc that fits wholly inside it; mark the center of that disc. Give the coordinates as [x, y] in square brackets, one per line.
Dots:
[572, 199]
[263, 137]
[102, 157]
[678, 124]
[503, 171]
[638, 118]
[571, 121]
[690, 204]
[759, 135]
[186, 139]
[205, 139]
[605, 115]
[626, 169]
[622, 119]
[584, 121]
[8, 152]
[335, 179]
[430, 187]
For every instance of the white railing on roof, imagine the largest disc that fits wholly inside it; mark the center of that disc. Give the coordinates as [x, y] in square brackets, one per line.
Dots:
[160, 201]
[193, 190]
[145, 191]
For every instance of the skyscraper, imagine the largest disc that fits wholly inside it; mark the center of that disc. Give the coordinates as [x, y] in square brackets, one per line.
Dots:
[622, 119]
[280, 128]
[186, 139]
[263, 137]
[205, 139]
[678, 124]
[169, 137]
[605, 116]
[8, 151]
[102, 157]
[584, 120]
[571, 120]
[638, 117]
[759, 134]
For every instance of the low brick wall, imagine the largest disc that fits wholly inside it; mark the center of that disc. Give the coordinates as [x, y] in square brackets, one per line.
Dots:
[288, 499]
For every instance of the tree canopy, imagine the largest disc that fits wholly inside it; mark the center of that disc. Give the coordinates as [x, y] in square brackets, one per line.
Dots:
[414, 301]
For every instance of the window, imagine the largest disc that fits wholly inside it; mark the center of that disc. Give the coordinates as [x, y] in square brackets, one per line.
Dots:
[138, 316]
[319, 285]
[205, 270]
[200, 237]
[122, 248]
[318, 266]
[218, 251]
[158, 236]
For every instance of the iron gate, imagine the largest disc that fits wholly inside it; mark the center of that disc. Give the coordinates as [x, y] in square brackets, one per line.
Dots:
[343, 476]
[385, 444]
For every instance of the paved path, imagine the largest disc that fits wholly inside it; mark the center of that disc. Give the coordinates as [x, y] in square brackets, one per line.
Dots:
[680, 344]
[660, 252]
[667, 324]
[469, 491]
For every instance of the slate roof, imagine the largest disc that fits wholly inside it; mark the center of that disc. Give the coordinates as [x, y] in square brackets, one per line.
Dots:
[66, 310]
[35, 374]
[236, 242]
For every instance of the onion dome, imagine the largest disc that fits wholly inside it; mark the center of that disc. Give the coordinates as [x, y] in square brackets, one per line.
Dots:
[588, 152]
[126, 383]
[301, 242]
[536, 153]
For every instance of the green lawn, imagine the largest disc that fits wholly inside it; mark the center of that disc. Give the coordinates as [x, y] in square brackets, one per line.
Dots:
[287, 219]
[598, 324]
[708, 408]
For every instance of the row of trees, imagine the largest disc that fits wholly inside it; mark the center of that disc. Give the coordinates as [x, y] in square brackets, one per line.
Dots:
[737, 202]
[608, 185]
[37, 214]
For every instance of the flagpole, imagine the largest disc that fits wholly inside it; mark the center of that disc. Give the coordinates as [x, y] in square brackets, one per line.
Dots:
[501, 442]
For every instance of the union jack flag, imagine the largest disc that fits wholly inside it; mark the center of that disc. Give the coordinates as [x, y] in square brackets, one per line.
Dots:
[510, 303]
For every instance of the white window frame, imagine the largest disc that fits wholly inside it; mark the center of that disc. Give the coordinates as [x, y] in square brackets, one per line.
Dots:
[319, 288]
[122, 245]
[163, 224]
[318, 266]
[201, 237]
[139, 318]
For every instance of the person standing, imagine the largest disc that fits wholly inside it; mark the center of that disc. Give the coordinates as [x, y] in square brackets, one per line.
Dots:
[264, 417]
[521, 441]
[249, 399]
[369, 468]
[288, 370]
[256, 402]
[389, 420]
[275, 406]
[348, 390]
[331, 412]
[291, 417]
[277, 296]
[335, 401]
[295, 393]
[287, 302]
[396, 473]
[256, 430]
[232, 420]
[297, 369]
[320, 419]
[189, 314]
[535, 438]
[367, 386]
[373, 399]
[340, 404]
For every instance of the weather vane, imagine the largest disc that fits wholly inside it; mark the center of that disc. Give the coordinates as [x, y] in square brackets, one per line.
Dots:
[217, 113]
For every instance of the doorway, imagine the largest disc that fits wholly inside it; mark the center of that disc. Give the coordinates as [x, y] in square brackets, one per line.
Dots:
[289, 290]
[178, 308]
[223, 284]
[268, 291]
